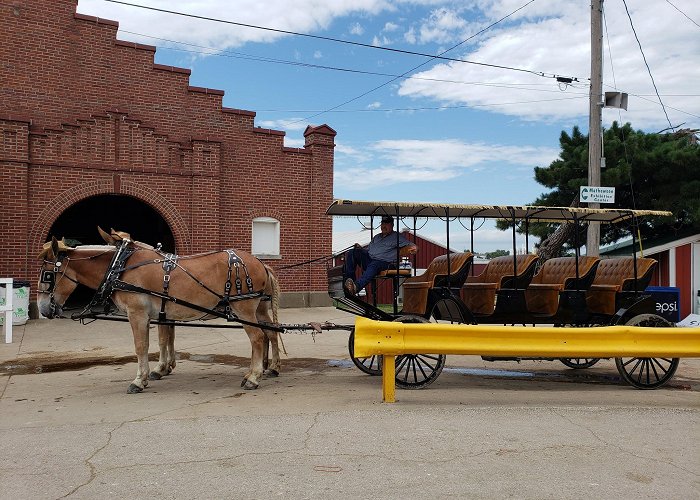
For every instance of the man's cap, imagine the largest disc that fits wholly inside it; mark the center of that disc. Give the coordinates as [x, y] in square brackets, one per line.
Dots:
[388, 219]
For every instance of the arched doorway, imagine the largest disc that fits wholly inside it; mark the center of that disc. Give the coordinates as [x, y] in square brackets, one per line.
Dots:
[79, 222]
[124, 213]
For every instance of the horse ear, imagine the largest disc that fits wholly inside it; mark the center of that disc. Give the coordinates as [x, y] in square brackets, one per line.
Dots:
[54, 248]
[108, 239]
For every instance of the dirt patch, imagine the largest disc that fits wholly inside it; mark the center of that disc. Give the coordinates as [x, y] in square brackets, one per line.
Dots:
[45, 363]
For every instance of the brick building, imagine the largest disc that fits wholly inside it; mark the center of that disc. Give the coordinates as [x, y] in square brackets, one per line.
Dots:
[93, 131]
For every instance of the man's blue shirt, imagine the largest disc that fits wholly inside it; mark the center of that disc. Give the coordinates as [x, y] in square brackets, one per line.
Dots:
[384, 247]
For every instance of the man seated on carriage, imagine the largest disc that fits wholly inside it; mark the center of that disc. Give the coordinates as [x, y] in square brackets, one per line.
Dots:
[379, 256]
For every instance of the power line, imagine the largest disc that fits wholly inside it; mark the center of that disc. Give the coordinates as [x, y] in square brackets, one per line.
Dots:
[422, 108]
[686, 15]
[340, 40]
[647, 64]
[211, 51]
[419, 66]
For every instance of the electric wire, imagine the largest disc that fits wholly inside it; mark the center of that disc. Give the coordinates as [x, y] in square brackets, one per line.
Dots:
[624, 2]
[210, 51]
[686, 15]
[619, 114]
[418, 66]
[348, 42]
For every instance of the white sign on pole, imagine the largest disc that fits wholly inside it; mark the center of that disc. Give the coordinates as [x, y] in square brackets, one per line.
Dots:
[594, 194]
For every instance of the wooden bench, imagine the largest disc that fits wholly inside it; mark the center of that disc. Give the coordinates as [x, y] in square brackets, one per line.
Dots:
[415, 288]
[616, 275]
[542, 295]
[479, 292]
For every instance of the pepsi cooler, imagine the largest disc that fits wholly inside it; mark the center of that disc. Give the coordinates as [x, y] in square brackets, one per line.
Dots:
[668, 301]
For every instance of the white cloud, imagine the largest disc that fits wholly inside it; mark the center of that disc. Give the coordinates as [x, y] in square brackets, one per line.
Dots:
[410, 36]
[405, 161]
[287, 124]
[374, 105]
[442, 26]
[306, 16]
[357, 29]
[390, 27]
[554, 37]
[318, 54]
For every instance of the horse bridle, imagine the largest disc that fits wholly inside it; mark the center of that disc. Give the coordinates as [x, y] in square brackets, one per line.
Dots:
[53, 277]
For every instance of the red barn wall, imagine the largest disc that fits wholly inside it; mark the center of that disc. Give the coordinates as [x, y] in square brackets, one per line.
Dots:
[84, 114]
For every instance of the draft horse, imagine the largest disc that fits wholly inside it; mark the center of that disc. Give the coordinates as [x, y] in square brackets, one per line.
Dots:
[232, 280]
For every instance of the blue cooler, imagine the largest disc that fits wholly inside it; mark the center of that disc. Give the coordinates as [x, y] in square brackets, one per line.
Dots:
[668, 301]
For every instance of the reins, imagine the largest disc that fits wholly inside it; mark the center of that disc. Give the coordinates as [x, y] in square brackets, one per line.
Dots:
[311, 261]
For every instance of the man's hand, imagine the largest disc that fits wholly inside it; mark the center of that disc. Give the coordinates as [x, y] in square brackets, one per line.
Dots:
[412, 249]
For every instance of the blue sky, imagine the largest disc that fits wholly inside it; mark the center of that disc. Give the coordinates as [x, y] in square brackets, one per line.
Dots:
[452, 132]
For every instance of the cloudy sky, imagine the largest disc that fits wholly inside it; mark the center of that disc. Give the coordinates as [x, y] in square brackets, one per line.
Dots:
[418, 128]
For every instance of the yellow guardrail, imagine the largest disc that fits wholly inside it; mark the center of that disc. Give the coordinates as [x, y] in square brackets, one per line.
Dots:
[391, 339]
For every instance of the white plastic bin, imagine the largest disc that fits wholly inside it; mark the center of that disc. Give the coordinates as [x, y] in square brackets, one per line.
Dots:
[20, 302]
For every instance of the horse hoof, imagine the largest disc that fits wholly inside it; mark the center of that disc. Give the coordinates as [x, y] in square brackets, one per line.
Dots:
[134, 389]
[154, 376]
[248, 385]
[272, 373]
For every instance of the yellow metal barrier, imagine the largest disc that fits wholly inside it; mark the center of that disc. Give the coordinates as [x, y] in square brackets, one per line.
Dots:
[393, 338]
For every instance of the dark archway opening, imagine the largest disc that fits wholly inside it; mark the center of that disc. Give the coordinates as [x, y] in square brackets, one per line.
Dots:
[79, 223]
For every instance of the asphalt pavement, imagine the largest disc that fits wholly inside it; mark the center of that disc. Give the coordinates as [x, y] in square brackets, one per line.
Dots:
[482, 430]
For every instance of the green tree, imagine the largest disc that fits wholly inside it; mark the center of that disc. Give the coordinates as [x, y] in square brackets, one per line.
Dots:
[649, 171]
[496, 253]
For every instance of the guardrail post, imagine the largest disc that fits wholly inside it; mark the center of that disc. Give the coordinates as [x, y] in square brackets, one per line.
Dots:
[6, 309]
[388, 379]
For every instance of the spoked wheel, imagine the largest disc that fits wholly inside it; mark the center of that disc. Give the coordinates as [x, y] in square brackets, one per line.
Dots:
[579, 363]
[371, 365]
[415, 371]
[647, 373]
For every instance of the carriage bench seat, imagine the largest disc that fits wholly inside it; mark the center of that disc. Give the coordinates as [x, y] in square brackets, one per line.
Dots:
[415, 288]
[390, 273]
[479, 292]
[542, 295]
[616, 275]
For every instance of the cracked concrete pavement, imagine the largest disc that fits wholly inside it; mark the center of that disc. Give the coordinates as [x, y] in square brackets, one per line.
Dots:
[69, 430]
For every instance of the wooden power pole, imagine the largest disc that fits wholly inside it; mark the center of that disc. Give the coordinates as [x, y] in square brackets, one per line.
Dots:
[595, 150]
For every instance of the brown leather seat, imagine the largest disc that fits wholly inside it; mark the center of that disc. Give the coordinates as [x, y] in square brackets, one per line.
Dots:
[616, 275]
[388, 273]
[542, 295]
[415, 288]
[479, 292]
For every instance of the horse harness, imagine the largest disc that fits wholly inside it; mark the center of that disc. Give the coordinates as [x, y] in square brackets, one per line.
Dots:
[169, 262]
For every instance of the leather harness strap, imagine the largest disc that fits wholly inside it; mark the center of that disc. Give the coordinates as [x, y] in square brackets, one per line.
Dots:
[169, 264]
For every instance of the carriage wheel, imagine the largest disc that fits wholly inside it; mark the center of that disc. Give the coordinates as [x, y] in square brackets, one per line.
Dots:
[371, 365]
[579, 363]
[647, 373]
[415, 371]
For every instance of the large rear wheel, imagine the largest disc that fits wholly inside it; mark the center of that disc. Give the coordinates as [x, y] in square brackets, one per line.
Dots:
[371, 365]
[416, 371]
[413, 371]
[647, 373]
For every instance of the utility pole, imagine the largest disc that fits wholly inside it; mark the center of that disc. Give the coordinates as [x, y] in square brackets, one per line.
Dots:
[595, 150]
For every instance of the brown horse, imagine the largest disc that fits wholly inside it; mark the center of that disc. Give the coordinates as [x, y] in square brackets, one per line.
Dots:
[198, 279]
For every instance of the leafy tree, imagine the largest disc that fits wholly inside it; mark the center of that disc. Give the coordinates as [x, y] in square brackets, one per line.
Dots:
[649, 171]
[496, 253]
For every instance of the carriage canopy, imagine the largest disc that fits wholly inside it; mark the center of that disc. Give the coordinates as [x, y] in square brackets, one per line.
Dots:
[359, 208]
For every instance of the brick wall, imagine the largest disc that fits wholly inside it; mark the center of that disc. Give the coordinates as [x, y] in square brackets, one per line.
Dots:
[83, 114]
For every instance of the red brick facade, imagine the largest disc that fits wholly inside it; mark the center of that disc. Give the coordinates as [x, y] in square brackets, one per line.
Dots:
[84, 114]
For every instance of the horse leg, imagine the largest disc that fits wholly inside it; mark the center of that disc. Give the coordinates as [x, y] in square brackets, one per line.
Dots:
[251, 380]
[166, 360]
[139, 327]
[266, 352]
[271, 366]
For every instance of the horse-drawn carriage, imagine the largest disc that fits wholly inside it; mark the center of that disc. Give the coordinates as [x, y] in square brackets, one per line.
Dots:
[571, 291]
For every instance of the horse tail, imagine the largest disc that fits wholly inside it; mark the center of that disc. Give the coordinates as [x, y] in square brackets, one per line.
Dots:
[273, 289]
